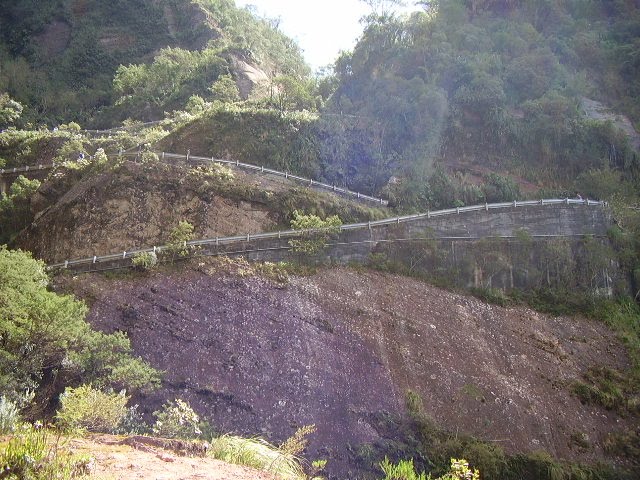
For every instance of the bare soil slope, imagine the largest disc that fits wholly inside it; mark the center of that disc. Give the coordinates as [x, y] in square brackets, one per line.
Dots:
[335, 348]
[138, 205]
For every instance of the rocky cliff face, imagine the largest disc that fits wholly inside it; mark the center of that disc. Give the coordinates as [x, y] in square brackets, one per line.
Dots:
[341, 348]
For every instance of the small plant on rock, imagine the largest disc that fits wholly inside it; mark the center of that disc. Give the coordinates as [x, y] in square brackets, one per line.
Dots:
[177, 420]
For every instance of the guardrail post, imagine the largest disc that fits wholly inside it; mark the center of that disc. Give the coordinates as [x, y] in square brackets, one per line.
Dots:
[428, 213]
[95, 258]
[163, 156]
[458, 210]
[248, 237]
[154, 249]
[286, 174]
[515, 204]
[124, 254]
[566, 201]
[369, 225]
[311, 182]
[358, 194]
[237, 162]
[542, 201]
[261, 168]
[188, 153]
[398, 220]
[217, 241]
[66, 264]
[486, 206]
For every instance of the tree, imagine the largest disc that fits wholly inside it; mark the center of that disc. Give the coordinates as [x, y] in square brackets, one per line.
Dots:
[10, 110]
[44, 335]
[383, 7]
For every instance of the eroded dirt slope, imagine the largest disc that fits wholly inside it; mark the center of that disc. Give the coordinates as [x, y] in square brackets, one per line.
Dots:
[136, 206]
[332, 349]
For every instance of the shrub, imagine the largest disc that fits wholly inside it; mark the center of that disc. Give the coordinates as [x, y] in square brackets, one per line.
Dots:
[91, 409]
[177, 420]
[178, 238]
[9, 416]
[30, 454]
[145, 260]
[413, 402]
[405, 470]
[313, 241]
[296, 444]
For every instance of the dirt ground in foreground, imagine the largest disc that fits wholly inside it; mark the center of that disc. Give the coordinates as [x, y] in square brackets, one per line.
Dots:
[257, 357]
[129, 458]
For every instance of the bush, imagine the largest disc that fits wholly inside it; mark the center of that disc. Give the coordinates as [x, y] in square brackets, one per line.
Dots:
[9, 416]
[178, 238]
[177, 420]
[31, 455]
[313, 242]
[145, 260]
[90, 409]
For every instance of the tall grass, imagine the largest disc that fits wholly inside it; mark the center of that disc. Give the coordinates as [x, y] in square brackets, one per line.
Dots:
[258, 454]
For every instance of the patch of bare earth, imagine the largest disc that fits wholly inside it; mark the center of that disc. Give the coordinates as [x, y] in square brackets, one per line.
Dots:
[336, 348]
[120, 458]
[136, 208]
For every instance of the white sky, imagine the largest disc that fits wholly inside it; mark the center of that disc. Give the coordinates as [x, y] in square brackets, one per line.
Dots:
[322, 28]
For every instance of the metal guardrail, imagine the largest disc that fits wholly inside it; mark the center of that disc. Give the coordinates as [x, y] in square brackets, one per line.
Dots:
[354, 226]
[28, 168]
[233, 163]
[269, 171]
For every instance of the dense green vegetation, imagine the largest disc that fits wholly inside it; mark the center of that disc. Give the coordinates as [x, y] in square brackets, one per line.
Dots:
[496, 83]
[59, 58]
[46, 342]
[431, 449]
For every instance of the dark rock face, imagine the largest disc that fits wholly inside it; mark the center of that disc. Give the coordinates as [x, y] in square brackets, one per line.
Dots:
[254, 358]
[340, 349]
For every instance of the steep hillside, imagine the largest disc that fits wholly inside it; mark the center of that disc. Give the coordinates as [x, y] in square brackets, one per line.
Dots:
[341, 348]
[496, 84]
[81, 214]
[59, 57]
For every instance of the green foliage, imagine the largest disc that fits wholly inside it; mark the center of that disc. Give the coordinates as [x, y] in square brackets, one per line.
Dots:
[43, 331]
[178, 238]
[175, 76]
[317, 231]
[258, 454]
[90, 409]
[15, 211]
[493, 83]
[500, 189]
[9, 416]
[296, 443]
[10, 110]
[404, 470]
[413, 402]
[32, 454]
[72, 76]
[145, 260]
[177, 420]
[225, 89]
